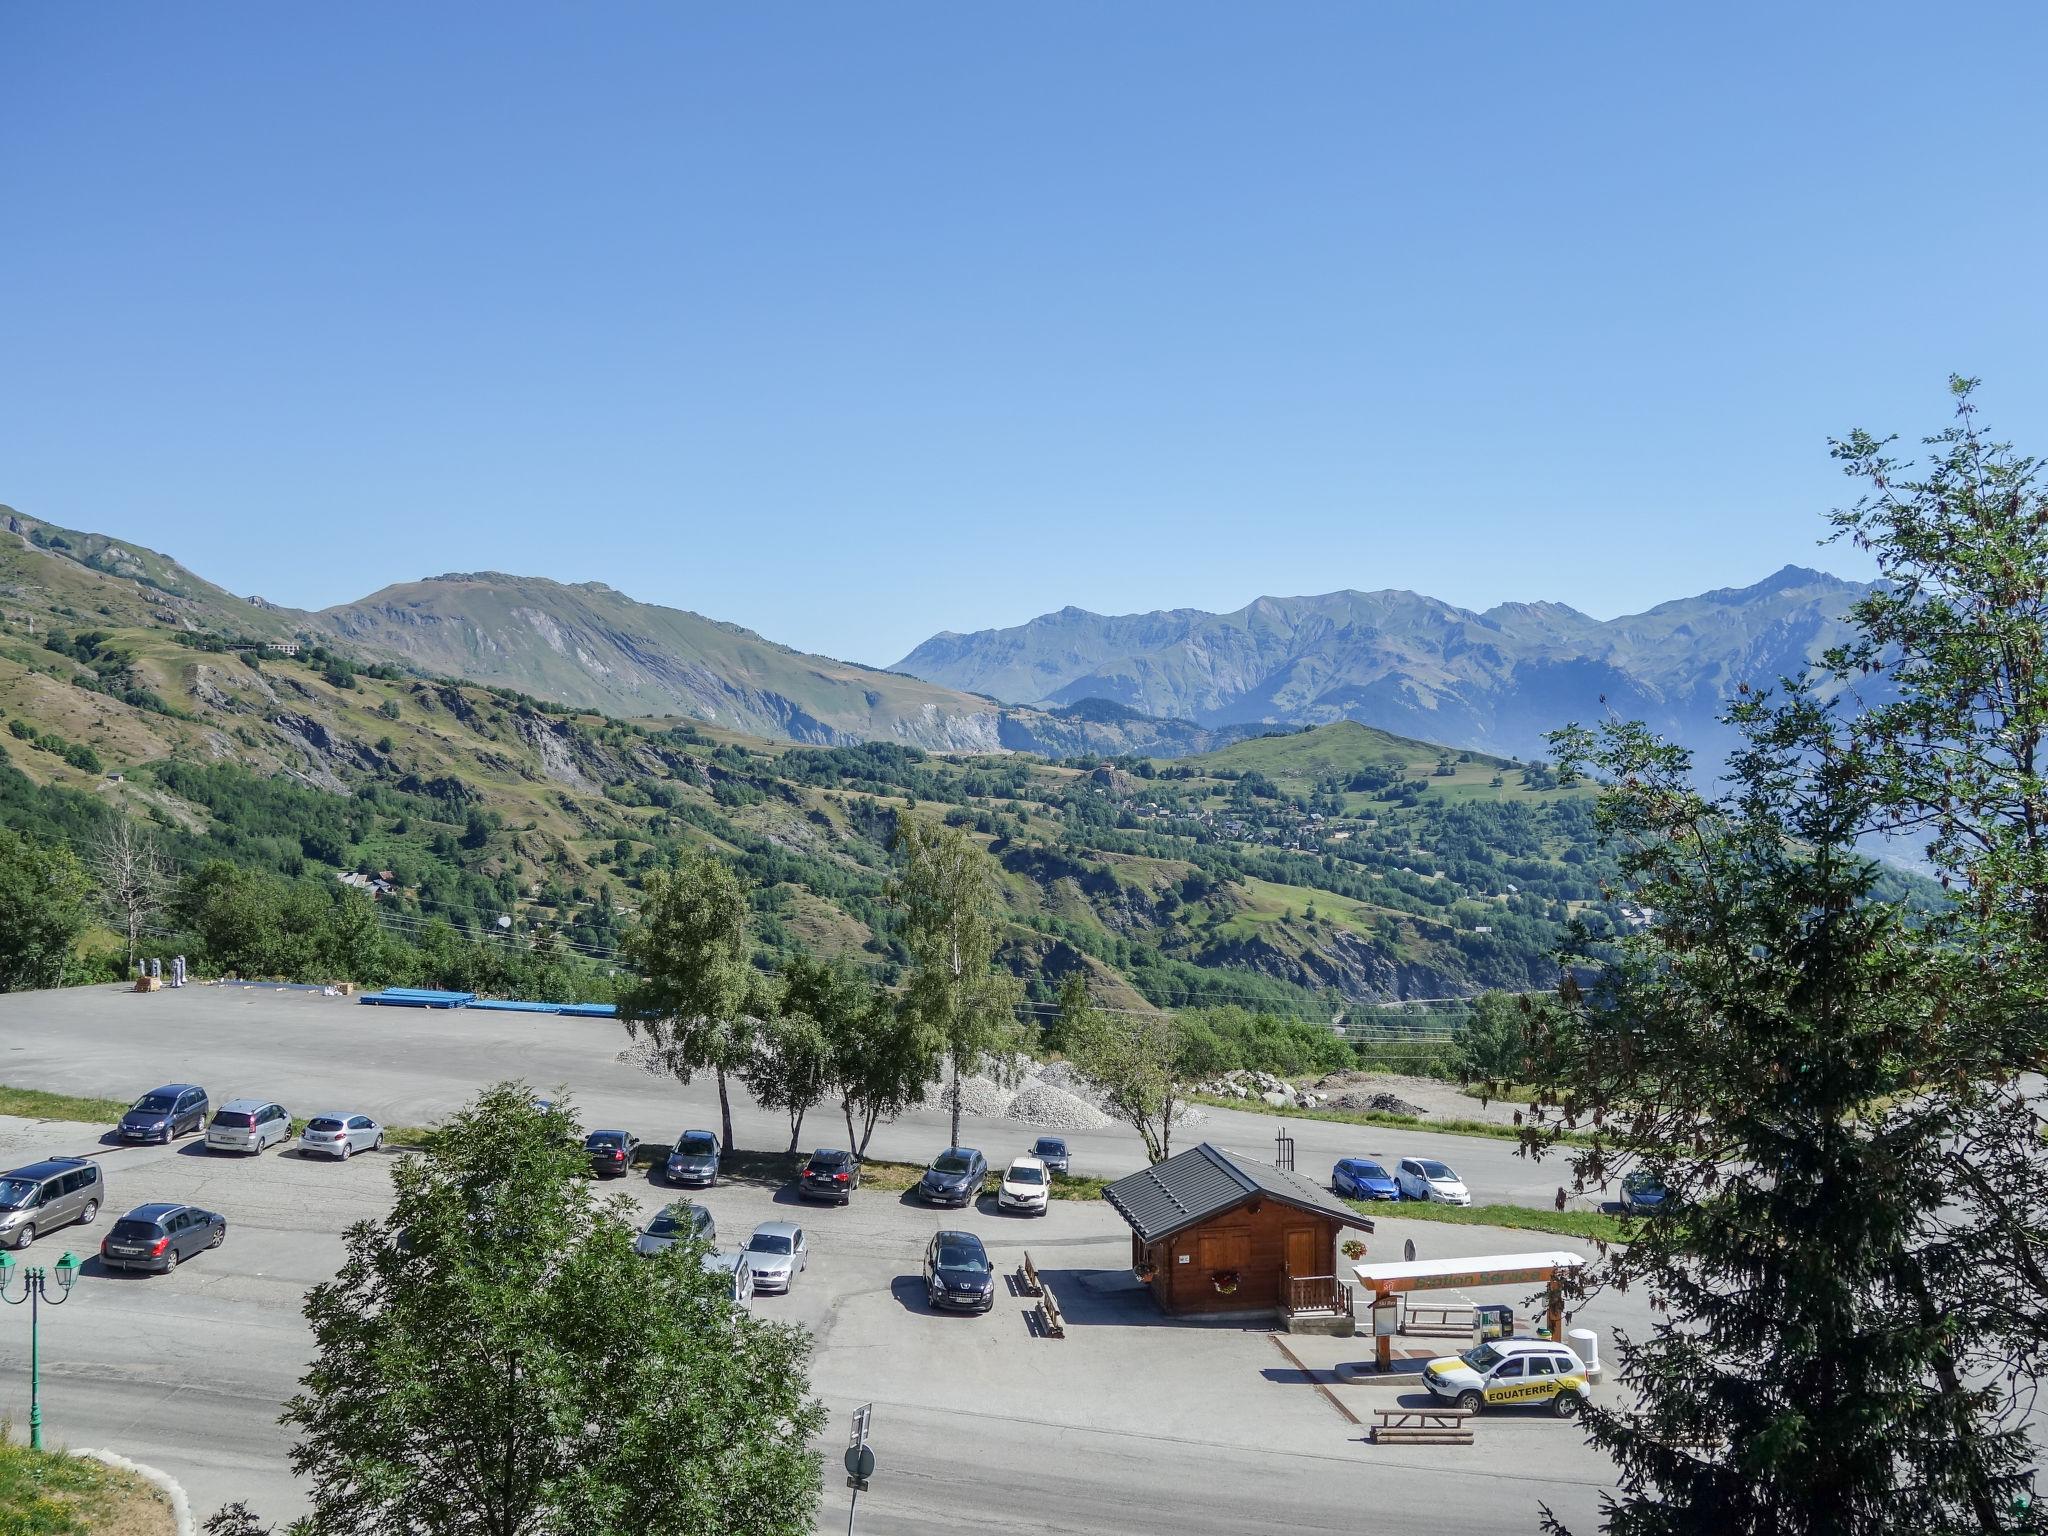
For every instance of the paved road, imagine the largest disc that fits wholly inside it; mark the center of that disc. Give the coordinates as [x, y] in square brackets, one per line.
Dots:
[410, 1066]
[1125, 1426]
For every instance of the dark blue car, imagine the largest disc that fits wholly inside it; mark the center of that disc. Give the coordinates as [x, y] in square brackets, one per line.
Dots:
[165, 1113]
[1360, 1178]
[1642, 1193]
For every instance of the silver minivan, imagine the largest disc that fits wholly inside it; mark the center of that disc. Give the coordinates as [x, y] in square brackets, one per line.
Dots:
[247, 1125]
[45, 1196]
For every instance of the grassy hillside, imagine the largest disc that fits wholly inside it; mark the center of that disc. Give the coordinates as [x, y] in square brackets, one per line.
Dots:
[1316, 875]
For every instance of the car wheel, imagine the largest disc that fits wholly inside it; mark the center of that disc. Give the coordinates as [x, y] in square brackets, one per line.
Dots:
[220, 1235]
[170, 1260]
[1471, 1402]
[25, 1236]
[344, 1151]
[1565, 1405]
[92, 1209]
[379, 1147]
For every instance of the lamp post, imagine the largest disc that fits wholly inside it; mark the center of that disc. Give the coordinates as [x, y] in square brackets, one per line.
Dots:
[35, 1290]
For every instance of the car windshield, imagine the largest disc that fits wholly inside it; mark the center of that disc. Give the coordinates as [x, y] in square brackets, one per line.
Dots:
[667, 1224]
[133, 1230]
[1050, 1146]
[698, 1145]
[828, 1160]
[1369, 1170]
[605, 1139]
[951, 1162]
[960, 1256]
[235, 1117]
[323, 1123]
[1435, 1170]
[1027, 1176]
[768, 1242]
[1483, 1358]
[154, 1104]
[15, 1193]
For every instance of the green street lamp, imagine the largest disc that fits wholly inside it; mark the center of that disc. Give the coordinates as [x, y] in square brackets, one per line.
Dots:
[35, 1291]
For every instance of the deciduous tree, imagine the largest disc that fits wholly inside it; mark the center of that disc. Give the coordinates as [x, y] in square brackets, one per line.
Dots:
[494, 1359]
[45, 901]
[132, 875]
[691, 950]
[950, 892]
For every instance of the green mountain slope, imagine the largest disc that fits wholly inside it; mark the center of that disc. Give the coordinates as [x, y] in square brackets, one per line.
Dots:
[1495, 681]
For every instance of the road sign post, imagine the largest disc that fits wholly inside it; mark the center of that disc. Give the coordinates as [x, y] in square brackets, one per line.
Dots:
[860, 1461]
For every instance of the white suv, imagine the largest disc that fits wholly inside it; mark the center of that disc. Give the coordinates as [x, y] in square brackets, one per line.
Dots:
[1424, 1178]
[1509, 1372]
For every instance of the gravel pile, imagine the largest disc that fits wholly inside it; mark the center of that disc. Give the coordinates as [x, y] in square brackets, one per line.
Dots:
[1044, 1104]
[979, 1096]
[1375, 1103]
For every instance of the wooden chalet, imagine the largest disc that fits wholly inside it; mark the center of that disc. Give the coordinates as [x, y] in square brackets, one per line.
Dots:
[1215, 1232]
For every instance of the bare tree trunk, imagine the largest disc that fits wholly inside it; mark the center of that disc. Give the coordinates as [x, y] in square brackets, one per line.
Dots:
[724, 1108]
[953, 1093]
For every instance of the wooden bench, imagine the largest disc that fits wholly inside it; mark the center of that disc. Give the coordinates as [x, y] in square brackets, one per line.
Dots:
[1422, 1426]
[1452, 1320]
[1032, 1283]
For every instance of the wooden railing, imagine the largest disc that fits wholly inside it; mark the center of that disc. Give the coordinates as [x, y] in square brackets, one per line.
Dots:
[1315, 1293]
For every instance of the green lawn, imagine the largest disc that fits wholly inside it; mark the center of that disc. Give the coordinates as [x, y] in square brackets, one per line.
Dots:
[34, 1104]
[1592, 1225]
[44, 1493]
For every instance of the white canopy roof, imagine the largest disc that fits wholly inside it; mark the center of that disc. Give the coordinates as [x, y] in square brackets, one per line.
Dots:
[1482, 1269]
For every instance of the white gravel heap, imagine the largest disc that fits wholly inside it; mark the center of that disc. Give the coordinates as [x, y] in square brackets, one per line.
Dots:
[1041, 1103]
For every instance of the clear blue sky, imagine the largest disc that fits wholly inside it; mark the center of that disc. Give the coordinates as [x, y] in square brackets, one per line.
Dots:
[856, 322]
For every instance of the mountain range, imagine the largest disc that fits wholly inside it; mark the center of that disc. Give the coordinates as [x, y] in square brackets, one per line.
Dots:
[1494, 681]
[1157, 684]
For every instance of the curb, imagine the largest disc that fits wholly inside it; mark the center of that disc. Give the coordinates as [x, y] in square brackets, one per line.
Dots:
[181, 1507]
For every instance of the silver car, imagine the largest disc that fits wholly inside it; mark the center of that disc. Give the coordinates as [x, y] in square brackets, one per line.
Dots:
[337, 1135]
[777, 1254]
[47, 1195]
[675, 1223]
[248, 1125]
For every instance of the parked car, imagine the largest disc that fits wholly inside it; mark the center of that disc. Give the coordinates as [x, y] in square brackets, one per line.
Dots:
[1504, 1372]
[610, 1152]
[1424, 1178]
[1360, 1178]
[676, 1222]
[829, 1175]
[1642, 1192]
[738, 1267]
[41, 1197]
[166, 1113]
[777, 1254]
[1052, 1151]
[693, 1159]
[338, 1135]
[1026, 1187]
[248, 1125]
[954, 1178]
[958, 1274]
[158, 1236]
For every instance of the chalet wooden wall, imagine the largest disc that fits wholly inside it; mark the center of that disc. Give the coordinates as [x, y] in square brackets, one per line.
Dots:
[1252, 1239]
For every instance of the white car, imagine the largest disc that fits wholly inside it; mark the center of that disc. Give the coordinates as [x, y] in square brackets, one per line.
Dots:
[337, 1135]
[1424, 1178]
[1026, 1187]
[1509, 1372]
[738, 1267]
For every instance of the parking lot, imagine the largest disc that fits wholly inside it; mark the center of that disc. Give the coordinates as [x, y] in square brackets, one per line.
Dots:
[1129, 1423]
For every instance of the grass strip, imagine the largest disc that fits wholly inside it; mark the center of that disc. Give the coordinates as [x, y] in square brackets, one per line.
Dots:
[1594, 1226]
[1482, 1128]
[35, 1104]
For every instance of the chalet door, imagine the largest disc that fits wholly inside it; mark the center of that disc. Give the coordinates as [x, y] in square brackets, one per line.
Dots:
[1300, 1253]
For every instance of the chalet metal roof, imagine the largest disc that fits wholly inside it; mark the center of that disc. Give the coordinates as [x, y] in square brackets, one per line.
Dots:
[1192, 1186]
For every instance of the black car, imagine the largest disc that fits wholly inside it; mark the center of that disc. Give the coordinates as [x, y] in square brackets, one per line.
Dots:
[954, 1178]
[958, 1274]
[611, 1152]
[830, 1175]
[156, 1237]
[693, 1159]
[1052, 1151]
[165, 1113]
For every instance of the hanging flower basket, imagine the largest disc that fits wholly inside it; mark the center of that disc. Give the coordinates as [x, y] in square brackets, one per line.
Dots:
[1146, 1272]
[1225, 1281]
